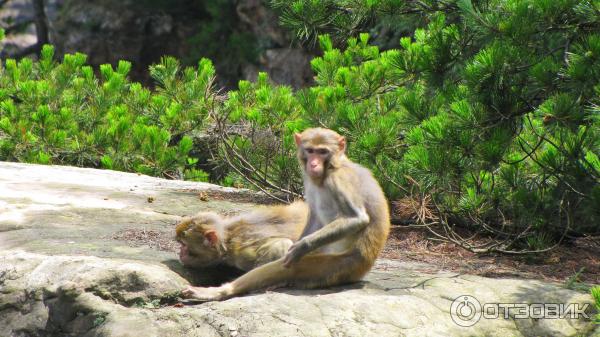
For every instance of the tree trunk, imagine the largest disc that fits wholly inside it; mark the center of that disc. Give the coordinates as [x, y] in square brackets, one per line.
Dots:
[41, 23]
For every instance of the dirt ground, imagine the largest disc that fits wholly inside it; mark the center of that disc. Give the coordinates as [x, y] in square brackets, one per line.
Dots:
[571, 264]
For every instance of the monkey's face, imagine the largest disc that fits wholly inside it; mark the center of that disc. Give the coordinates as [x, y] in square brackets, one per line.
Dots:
[316, 160]
[199, 244]
[317, 150]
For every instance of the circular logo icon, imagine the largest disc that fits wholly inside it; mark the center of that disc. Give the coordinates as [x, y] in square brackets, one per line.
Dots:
[465, 310]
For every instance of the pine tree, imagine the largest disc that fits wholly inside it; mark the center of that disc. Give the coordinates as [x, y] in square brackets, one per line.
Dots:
[61, 113]
[484, 116]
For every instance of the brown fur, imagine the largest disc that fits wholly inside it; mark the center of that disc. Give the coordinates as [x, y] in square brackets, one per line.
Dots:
[347, 228]
[244, 241]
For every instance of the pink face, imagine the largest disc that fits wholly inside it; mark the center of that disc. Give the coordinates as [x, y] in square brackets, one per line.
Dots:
[317, 148]
[315, 162]
[184, 255]
[200, 251]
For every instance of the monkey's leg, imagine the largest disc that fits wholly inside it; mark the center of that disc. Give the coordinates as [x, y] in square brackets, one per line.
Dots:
[313, 270]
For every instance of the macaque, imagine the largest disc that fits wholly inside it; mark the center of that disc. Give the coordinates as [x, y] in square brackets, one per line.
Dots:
[244, 241]
[347, 227]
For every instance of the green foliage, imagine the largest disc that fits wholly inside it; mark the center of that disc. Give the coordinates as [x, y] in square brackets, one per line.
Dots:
[595, 291]
[342, 18]
[262, 153]
[99, 318]
[489, 107]
[62, 113]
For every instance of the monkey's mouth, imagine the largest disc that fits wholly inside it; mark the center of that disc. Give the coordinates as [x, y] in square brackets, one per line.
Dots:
[315, 173]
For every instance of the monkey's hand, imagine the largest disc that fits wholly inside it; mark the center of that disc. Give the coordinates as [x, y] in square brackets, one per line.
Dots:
[296, 252]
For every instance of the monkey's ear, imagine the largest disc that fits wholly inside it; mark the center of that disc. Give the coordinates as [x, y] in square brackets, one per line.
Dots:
[342, 143]
[211, 236]
[298, 139]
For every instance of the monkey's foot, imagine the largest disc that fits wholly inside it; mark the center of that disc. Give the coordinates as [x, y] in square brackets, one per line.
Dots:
[201, 294]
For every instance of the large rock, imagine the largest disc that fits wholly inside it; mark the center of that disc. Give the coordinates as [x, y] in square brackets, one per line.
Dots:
[74, 261]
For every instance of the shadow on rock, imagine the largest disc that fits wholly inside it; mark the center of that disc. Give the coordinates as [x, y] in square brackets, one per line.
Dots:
[211, 276]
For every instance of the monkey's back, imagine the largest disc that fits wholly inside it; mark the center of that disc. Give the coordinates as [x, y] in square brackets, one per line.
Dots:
[264, 234]
[373, 239]
[280, 221]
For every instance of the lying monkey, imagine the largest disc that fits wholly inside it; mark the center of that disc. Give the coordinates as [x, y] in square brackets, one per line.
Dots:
[244, 241]
[347, 227]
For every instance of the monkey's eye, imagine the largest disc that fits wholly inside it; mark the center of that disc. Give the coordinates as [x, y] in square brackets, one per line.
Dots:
[310, 150]
[322, 151]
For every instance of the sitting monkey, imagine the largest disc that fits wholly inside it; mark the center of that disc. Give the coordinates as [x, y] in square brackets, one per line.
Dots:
[347, 227]
[244, 241]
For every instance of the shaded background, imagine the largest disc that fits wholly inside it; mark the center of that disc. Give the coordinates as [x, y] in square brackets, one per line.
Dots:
[241, 37]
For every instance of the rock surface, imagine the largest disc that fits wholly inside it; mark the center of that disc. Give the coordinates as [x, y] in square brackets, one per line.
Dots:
[67, 269]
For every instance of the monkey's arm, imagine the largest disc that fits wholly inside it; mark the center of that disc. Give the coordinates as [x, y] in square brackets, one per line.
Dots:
[335, 230]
